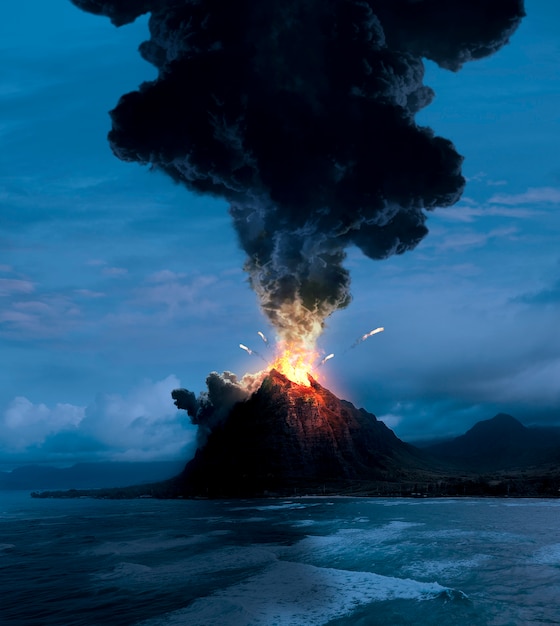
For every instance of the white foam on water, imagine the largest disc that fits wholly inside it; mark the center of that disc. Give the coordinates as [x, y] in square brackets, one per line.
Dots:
[531, 502]
[293, 594]
[347, 545]
[548, 555]
[303, 523]
[277, 507]
[191, 569]
[127, 571]
[444, 567]
[410, 501]
[488, 536]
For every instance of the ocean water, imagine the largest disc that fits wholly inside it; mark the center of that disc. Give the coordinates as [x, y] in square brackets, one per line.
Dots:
[285, 562]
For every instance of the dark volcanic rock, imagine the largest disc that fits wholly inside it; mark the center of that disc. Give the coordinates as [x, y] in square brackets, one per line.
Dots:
[288, 436]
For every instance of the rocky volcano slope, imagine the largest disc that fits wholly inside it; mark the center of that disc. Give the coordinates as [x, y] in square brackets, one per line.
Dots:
[305, 439]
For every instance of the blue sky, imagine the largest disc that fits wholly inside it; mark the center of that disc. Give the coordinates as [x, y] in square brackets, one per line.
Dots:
[116, 285]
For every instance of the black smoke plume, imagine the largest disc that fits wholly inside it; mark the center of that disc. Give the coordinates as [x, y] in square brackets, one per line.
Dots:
[213, 406]
[300, 113]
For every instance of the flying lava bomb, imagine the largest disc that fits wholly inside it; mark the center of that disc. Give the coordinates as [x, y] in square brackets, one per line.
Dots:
[301, 115]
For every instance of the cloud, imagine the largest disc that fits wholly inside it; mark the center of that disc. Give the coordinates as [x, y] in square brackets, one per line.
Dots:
[533, 384]
[463, 213]
[25, 424]
[88, 293]
[480, 177]
[466, 240]
[390, 420]
[511, 206]
[165, 276]
[81, 183]
[176, 293]
[549, 295]
[114, 271]
[106, 269]
[53, 315]
[533, 195]
[11, 286]
[141, 424]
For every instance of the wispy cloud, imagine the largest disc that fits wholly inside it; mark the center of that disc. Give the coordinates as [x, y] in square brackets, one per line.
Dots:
[14, 286]
[548, 295]
[464, 241]
[165, 276]
[391, 420]
[482, 177]
[510, 206]
[114, 271]
[51, 316]
[533, 195]
[472, 212]
[534, 383]
[88, 293]
[176, 292]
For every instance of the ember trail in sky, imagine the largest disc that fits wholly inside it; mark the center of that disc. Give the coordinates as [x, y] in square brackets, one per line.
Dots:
[300, 113]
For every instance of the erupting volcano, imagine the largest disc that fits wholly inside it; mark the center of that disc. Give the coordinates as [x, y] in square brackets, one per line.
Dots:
[286, 437]
[301, 115]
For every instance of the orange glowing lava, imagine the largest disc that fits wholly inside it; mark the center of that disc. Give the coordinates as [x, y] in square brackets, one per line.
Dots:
[296, 364]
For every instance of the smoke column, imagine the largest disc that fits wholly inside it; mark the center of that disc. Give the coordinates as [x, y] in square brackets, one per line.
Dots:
[300, 113]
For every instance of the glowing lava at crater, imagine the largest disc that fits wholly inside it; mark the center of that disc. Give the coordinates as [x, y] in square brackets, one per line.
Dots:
[296, 364]
[297, 359]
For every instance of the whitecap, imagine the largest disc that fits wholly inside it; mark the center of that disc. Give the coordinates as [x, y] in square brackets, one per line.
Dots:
[444, 567]
[531, 502]
[548, 555]
[125, 570]
[277, 507]
[349, 546]
[291, 594]
[191, 569]
[303, 523]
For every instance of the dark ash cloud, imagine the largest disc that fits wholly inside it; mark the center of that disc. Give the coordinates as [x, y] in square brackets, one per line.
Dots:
[211, 407]
[300, 113]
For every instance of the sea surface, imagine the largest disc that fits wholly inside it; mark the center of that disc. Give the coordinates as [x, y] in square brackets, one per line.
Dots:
[284, 562]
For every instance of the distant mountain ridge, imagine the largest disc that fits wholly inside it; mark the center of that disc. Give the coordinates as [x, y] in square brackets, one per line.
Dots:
[500, 443]
[88, 475]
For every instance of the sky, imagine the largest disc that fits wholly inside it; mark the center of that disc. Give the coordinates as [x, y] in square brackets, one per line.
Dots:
[117, 285]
